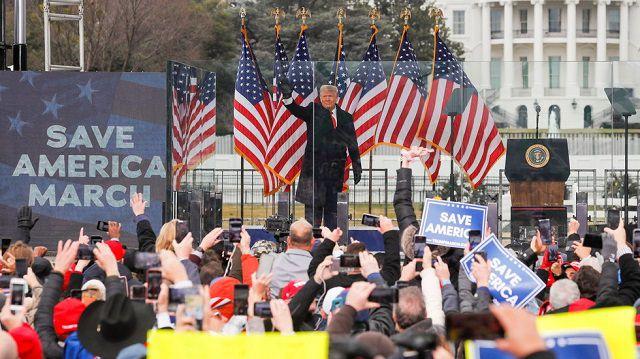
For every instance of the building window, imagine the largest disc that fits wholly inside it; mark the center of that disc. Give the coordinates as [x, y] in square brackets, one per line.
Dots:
[496, 72]
[554, 19]
[525, 72]
[585, 72]
[586, 18]
[613, 20]
[588, 121]
[554, 118]
[554, 72]
[458, 22]
[522, 116]
[496, 22]
[524, 26]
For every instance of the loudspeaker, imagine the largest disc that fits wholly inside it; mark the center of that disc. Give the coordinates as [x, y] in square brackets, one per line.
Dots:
[195, 220]
[283, 204]
[343, 217]
[582, 212]
[492, 217]
[182, 205]
[212, 211]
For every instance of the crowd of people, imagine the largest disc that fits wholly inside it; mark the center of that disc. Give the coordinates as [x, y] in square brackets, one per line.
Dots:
[101, 299]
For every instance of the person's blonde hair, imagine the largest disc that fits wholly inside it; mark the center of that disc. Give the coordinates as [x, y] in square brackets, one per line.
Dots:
[166, 236]
[21, 250]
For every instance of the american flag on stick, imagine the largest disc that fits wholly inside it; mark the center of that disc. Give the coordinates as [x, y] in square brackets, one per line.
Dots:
[183, 103]
[473, 137]
[201, 137]
[289, 134]
[252, 115]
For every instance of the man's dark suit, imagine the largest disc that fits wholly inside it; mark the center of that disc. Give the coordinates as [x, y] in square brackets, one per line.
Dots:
[324, 160]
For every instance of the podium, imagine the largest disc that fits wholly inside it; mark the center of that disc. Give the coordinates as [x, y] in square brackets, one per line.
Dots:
[537, 170]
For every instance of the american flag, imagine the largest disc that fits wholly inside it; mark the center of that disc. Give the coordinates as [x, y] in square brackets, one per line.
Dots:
[289, 134]
[252, 115]
[403, 106]
[280, 68]
[367, 90]
[184, 101]
[474, 142]
[201, 142]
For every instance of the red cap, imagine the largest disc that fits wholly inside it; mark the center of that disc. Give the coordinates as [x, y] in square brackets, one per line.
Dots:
[28, 342]
[116, 248]
[221, 293]
[292, 288]
[66, 315]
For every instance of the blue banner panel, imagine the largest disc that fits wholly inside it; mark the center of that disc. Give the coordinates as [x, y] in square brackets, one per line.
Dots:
[448, 224]
[510, 280]
[76, 146]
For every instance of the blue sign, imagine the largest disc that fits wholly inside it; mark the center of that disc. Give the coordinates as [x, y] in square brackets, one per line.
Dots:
[448, 224]
[583, 345]
[510, 280]
[76, 146]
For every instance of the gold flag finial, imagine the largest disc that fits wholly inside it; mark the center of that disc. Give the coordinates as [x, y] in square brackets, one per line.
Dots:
[303, 13]
[406, 15]
[374, 14]
[341, 14]
[437, 14]
[277, 14]
[243, 15]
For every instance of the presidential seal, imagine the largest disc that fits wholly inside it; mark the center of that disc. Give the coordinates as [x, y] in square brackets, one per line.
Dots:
[537, 156]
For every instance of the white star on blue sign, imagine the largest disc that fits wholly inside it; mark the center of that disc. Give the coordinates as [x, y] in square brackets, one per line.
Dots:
[29, 76]
[52, 107]
[17, 124]
[86, 91]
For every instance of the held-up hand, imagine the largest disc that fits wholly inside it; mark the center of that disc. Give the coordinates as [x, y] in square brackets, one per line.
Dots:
[368, 264]
[281, 316]
[442, 270]
[10, 320]
[285, 88]
[426, 258]
[334, 236]
[618, 234]
[245, 242]
[521, 334]
[386, 225]
[184, 248]
[536, 244]
[556, 268]
[259, 291]
[573, 226]
[408, 272]
[581, 251]
[83, 238]
[323, 271]
[114, 230]
[40, 251]
[106, 260]
[358, 296]
[138, 204]
[25, 218]
[172, 269]
[65, 256]
[481, 269]
[211, 239]
[31, 279]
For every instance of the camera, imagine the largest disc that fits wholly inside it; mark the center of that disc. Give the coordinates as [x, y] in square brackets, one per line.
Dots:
[370, 220]
[103, 226]
[544, 226]
[349, 261]
[384, 295]
[240, 299]
[85, 252]
[154, 280]
[419, 242]
[18, 289]
[262, 310]
[235, 227]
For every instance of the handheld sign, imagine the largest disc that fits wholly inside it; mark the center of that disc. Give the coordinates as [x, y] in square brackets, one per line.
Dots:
[510, 280]
[448, 224]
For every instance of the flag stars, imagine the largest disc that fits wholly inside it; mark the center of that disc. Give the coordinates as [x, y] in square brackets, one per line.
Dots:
[29, 77]
[52, 106]
[87, 91]
[16, 124]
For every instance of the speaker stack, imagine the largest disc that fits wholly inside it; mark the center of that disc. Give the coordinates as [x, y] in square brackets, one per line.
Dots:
[343, 217]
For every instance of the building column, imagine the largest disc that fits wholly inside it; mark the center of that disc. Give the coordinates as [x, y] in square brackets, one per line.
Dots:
[572, 67]
[603, 69]
[486, 45]
[507, 54]
[624, 29]
[537, 90]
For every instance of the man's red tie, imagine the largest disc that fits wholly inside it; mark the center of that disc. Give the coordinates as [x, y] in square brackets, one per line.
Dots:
[334, 122]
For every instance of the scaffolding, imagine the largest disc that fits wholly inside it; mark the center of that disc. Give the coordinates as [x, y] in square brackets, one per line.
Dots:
[49, 17]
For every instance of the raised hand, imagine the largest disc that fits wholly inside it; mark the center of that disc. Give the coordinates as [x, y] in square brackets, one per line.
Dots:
[138, 204]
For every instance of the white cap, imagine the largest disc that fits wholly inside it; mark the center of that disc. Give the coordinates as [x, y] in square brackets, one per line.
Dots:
[329, 297]
[97, 285]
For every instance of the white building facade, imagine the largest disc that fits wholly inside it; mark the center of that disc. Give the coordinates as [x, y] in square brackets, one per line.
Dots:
[561, 54]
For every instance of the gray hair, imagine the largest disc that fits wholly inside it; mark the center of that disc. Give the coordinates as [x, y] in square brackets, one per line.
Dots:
[329, 88]
[563, 293]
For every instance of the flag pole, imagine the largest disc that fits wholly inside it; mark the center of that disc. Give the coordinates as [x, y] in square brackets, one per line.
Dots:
[374, 14]
[243, 15]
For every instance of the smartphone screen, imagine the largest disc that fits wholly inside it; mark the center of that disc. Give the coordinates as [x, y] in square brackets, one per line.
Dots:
[592, 240]
[419, 242]
[349, 261]
[18, 291]
[235, 227]
[613, 218]
[240, 299]
[154, 280]
[419, 266]
[335, 264]
[636, 243]
[553, 252]
[370, 220]
[262, 310]
[95, 239]
[544, 226]
[182, 229]
[21, 267]
[85, 252]
[475, 237]
[473, 326]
